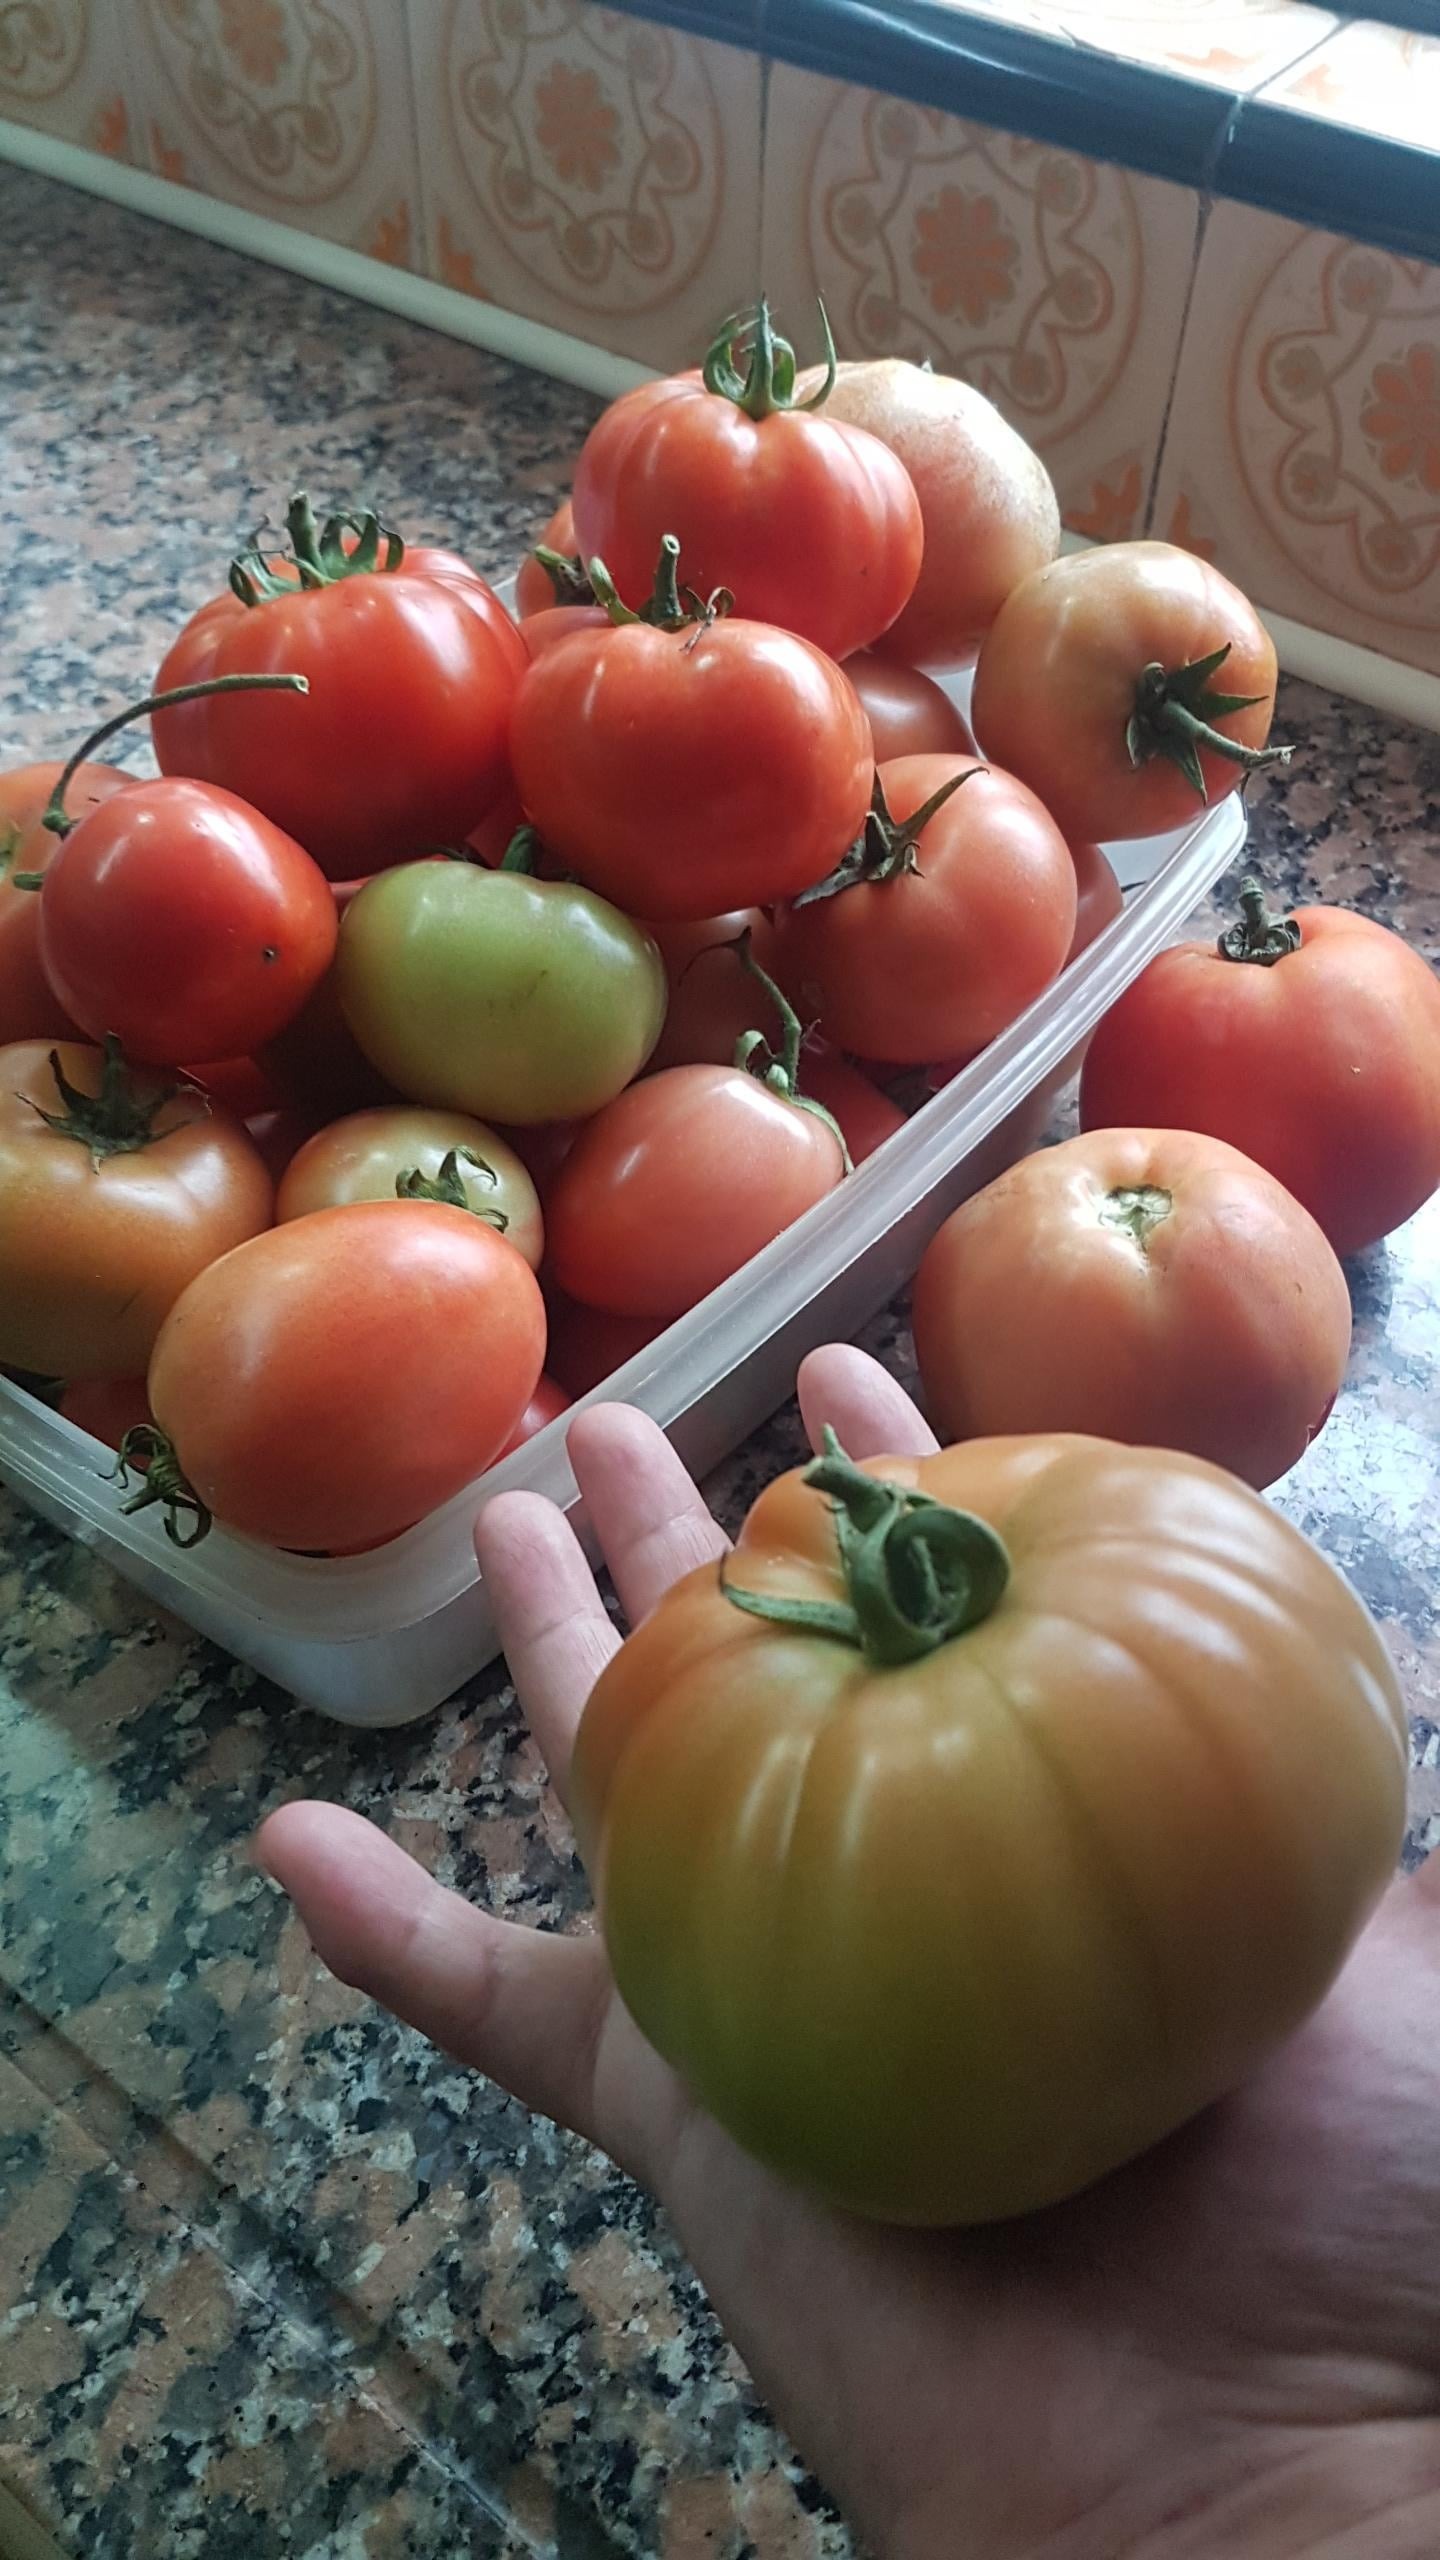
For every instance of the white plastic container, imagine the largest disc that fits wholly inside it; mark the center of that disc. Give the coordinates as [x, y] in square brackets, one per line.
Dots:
[380, 1639]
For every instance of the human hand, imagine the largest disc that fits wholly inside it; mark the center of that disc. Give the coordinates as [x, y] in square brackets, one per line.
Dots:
[1229, 2351]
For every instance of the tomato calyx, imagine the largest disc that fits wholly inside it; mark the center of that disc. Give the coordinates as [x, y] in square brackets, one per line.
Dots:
[669, 606]
[1175, 714]
[917, 1572]
[1137, 1211]
[779, 1070]
[318, 556]
[885, 846]
[750, 364]
[147, 1451]
[447, 1187]
[567, 573]
[56, 818]
[1259, 938]
[118, 1120]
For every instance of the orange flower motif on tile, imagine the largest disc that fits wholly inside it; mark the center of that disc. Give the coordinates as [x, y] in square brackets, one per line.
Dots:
[390, 239]
[1402, 417]
[167, 159]
[1181, 531]
[456, 265]
[576, 126]
[1111, 513]
[111, 130]
[254, 33]
[964, 254]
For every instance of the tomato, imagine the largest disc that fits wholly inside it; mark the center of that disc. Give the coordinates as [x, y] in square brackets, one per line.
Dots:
[588, 1346]
[987, 503]
[317, 1063]
[105, 1218]
[106, 1407]
[1142, 1284]
[328, 1384]
[677, 1183]
[713, 997]
[400, 743]
[538, 586]
[1099, 682]
[241, 1086]
[909, 714]
[1311, 1041]
[1099, 898]
[946, 1934]
[808, 523]
[865, 1116]
[685, 772]
[29, 1006]
[184, 922]
[547, 1403]
[278, 1137]
[366, 1156]
[542, 1150]
[546, 629]
[490, 992]
[948, 930]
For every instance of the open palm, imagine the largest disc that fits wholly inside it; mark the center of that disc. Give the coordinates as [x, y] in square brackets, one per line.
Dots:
[1231, 2348]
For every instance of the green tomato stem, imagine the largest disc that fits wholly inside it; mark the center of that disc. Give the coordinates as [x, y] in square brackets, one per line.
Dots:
[318, 555]
[54, 816]
[756, 1056]
[751, 365]
[1259, 938]
[164, 1480]
[118, 1120]
[448, 1188]
[1174, 716]
[886, 847]
[1137, 1211]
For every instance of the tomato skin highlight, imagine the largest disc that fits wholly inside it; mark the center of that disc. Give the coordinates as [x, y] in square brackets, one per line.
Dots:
[29, 1007]
[360, 1158]
[677, 1183]
[1324, 1067]
[1218, 1325]
[946, 1941]
[254, 1375]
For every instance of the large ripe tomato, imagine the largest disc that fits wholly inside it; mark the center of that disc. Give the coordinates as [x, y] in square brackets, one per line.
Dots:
[909, 713]
[988, 503]
[809, 524]
[331, 1382]
[1142, 1284]
[1312, 1041]
[29, 1006]
[948, 929]
[553, 573]
[366, 1156]
[685, 772]
[956, 1894]
[412, 666]
[494, 993]
[1128, 686]
[179, 919]
[112, 1198]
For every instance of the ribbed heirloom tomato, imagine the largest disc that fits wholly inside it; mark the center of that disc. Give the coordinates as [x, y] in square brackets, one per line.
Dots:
[1047, 1793]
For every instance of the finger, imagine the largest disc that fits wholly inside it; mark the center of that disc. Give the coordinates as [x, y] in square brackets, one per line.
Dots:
[650, 1520]
[525, 2009]
[550, 1617]
[871, 1414]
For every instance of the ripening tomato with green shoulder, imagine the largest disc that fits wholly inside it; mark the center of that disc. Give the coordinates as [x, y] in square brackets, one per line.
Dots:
[403, 1153]
[1310, 1040]
[29, 1007]
[983, 1817]
[1130, 687]
[116, 1188]
[810, 525]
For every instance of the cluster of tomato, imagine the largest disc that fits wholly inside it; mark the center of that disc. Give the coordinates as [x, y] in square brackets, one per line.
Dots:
[449, 948]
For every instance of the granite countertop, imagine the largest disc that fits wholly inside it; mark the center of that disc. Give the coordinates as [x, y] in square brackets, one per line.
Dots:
[274, 2277]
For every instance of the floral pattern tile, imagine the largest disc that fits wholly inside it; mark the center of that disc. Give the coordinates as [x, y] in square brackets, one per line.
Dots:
[589, 169]
[1055, 283]
[1380, 79]
[298, 109]
[1235, 44]
[62, 67]
[1305, 449]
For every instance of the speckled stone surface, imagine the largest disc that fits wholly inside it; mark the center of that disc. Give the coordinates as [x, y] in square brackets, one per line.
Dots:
[274, 2278]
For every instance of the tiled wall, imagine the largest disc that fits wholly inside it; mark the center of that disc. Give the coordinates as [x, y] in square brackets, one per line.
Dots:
[1266, 394]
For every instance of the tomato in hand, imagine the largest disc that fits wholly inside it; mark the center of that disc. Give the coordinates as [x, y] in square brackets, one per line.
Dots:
[809, 525]
[29, 1007]
[987, 502]
[412, 666]
[1103, 682]
[546, 1405]
[909, 713]
[959, 910]
[1141, 1284]
[491, 992]
[328, 1384]
[1312, 1041]
[687, 770]
[948, 1890]
[115, 1190]
[405, 1154]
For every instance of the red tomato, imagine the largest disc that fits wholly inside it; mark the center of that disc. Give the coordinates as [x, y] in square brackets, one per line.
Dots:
[909, 713]
[366, 1156]
[681, 773]
[333, 1381]
[1102, 679]
[546, 629]
[810, 524]
[866, 1116]
[547, 1403]
[1313, 1042]
[241, 1086]
[677, 1182]
[182, 921]
[106, 1407]
[910, 964]
[1142, 1285]
[1099, 898]
[714, 999]
[278, 1136]
[588, 1346]
[400, 742]
[535, 589]
[318, 1064]
[29, 1006]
